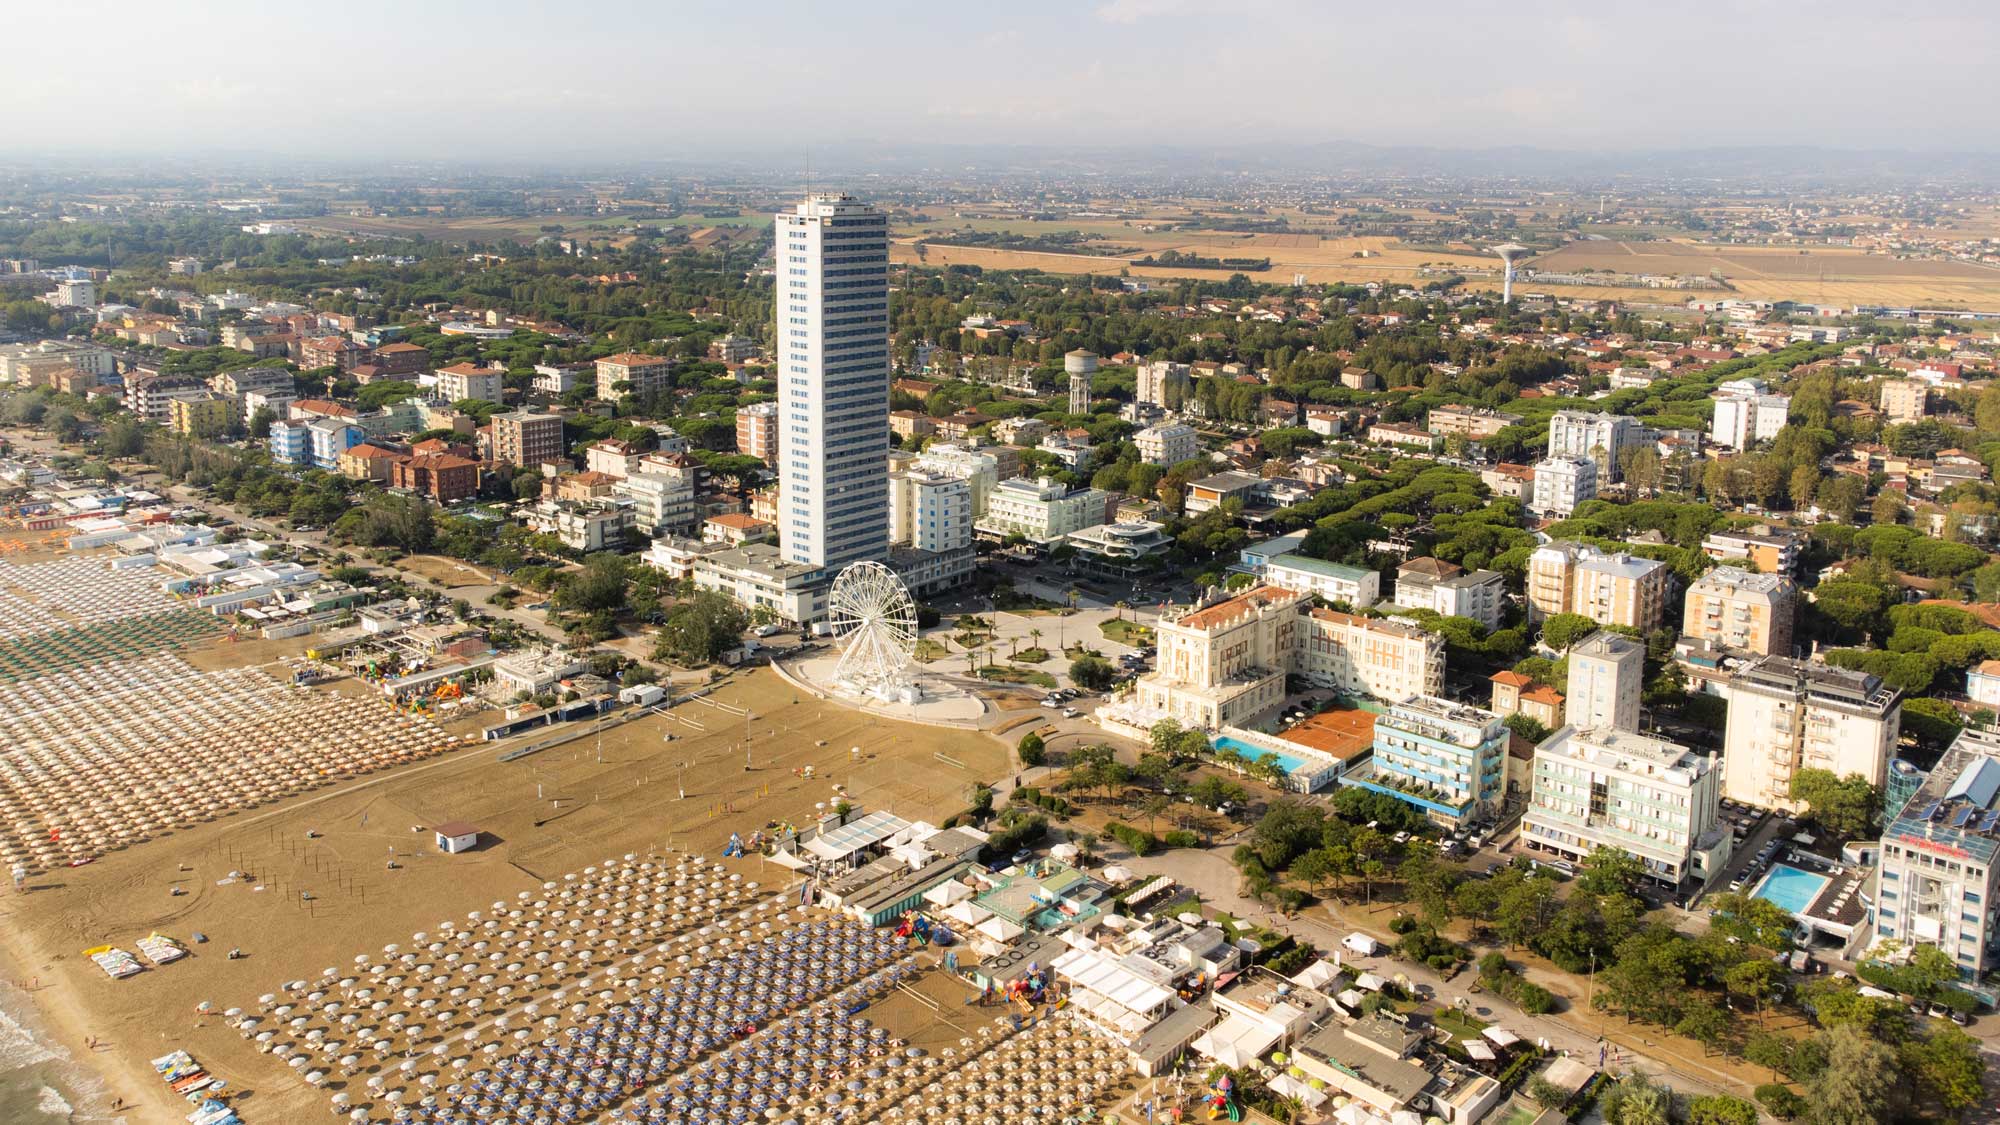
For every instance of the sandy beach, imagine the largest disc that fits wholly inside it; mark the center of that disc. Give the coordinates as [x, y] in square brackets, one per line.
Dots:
[320, 884]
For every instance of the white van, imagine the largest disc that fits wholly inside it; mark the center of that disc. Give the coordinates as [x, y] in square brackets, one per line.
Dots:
[1361, 945]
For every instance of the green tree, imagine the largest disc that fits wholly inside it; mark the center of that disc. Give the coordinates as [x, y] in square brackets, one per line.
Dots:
[1859, 1083]
[701, 629]
[1092, 673]
[1946, 1064]
[1843, 806]
[1030, 749]
[1562, 630]
[1720, 1109]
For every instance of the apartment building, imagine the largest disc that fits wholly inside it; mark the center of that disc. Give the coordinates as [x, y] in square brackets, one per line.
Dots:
[1470, 421]
[930, 511]
[1742, 609]
[593, 525]
[337, 352]
[1610, 589]
[640, 374]
[469, 380]
[444, 477]
[1787, 715]
[1769, 549]
[1516, 694]
[1163, 384]
[1562, 484]
[87, 358]
[1600, 437]
[1445, 758]
[1607, 673]
[201, 413]
[979, 468]
[1938, 881]
[1904, 400]
[1655, 800]
[662, 494]
[757, 432]
[612, 457]
[1041, 511]
[522, 438]
[1380, 657]
[398, 359]
[1167, 444]
[147, 393]
[1357, 586]
[757, 575]
[1224, 664]
[1746, 413]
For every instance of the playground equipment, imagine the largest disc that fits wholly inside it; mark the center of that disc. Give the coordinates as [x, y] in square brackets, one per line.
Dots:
[1222, 1099]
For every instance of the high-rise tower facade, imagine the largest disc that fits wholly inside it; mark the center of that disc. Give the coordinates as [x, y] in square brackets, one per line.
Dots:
[832, 311]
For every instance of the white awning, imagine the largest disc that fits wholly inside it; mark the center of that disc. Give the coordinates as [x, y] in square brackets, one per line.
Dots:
[1316, 975]
[1368, 982]
[1093, 971]
[1478, 1050]
[1500, 1036]
[944, 894]
[1298, 1088]
[968, 912]
[1000, 929]
[1237, 1041]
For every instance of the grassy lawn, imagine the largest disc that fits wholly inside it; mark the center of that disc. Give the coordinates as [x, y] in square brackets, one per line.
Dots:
[1002, 675]
[929, 650]
[1459, 1024]
[1131, 634]
[1030, 656]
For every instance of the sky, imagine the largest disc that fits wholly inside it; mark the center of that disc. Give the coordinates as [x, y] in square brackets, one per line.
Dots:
[680, 79]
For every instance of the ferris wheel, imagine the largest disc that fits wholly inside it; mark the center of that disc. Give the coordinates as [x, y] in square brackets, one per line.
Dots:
[871, 612]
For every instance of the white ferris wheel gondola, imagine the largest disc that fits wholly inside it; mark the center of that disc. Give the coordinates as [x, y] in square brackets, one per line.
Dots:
[871, 611]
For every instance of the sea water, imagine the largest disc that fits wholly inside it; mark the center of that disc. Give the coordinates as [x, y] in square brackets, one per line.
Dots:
[40, 1082]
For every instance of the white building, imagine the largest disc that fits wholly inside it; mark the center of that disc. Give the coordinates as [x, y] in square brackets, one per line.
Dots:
[1938, 882]
[832, 312]
[1042, 511]
[1653, 799]
[1600, 437]
[1607, 673]
[1480, 595]
[1746, 413]
[1167, 444]
[930, 511]
[1163, 384]
[585, 526]
[79, 291]
[1564, 483]
[980, 471]
[556, 378]
[1380, 657]
[1357, 586]
[466, 380]
[1445, 758]
[1787, 715]
[663, 502]
[1982, 683]
[756, 575]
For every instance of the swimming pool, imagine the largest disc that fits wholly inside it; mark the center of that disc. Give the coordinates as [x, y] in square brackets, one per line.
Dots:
[1790, 888]
[1256, 753]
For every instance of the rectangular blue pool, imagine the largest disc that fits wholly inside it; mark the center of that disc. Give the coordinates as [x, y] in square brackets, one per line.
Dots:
[1256, 753]
[1790, 888]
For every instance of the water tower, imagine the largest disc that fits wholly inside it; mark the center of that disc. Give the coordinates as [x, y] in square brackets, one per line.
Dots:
[1510, 253]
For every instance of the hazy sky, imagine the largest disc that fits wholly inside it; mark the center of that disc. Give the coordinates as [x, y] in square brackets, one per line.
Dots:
[672, 80]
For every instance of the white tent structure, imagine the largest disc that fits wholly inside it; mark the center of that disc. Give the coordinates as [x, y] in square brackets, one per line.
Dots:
[1237, 1041]
[945, 894]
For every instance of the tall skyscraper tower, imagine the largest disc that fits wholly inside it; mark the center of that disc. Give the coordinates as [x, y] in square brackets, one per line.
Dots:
[832, 311]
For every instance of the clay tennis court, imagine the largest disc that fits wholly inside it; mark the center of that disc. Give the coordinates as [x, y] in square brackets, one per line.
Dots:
[1345, 734]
